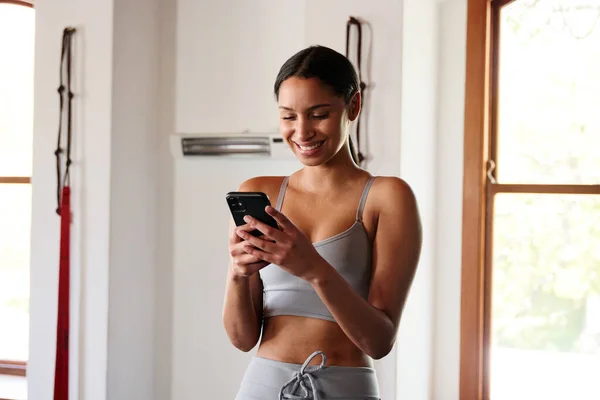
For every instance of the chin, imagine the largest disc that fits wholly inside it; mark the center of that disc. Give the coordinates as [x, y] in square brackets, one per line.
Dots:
[314, 161]
[310, 162]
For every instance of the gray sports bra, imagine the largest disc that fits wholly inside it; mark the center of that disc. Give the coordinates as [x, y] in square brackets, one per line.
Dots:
[349, 252]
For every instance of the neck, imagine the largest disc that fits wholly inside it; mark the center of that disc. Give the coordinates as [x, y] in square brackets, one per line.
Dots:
[334, 173]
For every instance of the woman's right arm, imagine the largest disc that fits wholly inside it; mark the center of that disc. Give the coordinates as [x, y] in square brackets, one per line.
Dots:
[243, 306]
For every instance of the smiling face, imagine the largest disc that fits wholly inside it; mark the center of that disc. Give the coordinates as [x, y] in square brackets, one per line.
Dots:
[314, 120]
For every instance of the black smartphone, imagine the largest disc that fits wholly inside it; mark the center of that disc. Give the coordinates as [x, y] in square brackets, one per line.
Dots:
[250, 203]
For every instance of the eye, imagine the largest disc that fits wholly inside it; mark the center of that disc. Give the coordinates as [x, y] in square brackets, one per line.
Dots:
[288, 118]
[321, 116]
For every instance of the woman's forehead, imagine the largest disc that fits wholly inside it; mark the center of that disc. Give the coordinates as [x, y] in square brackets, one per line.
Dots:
[298, 92]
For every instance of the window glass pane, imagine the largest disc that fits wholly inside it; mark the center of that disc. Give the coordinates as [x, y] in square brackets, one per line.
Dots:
[549, 92]
[15, 221]
[16, 89]
[545, 297]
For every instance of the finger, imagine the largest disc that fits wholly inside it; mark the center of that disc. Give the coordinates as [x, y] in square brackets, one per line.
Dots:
[266, 245]
[260, 254]
[235, 238]
[245, 259]
[267, 230]
[245, 228]
[237, 249]
[281, 219]
[248, 228]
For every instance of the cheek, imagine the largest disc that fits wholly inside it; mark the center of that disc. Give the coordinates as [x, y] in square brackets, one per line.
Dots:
[285, 129]
[331, 127]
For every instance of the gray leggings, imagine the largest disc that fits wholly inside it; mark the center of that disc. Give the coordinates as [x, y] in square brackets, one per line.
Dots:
[274, 380]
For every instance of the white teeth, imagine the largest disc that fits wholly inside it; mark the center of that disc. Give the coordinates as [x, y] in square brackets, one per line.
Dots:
[308, 148]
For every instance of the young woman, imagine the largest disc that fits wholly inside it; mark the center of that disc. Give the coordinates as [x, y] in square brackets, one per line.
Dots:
[327, 288]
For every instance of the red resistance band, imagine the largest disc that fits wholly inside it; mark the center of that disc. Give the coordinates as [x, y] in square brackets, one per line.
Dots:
[61, 369]
[63, 194]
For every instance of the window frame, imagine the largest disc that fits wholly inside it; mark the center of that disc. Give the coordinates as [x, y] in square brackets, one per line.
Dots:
[480, 145]
[476, 134]
[12, 367]
[23, 3]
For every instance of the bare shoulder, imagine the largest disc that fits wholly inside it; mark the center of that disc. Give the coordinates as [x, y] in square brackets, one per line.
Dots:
[267, 184]
[392, 191]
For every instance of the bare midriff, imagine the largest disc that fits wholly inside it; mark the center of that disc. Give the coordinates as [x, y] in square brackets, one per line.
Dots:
[292, 339]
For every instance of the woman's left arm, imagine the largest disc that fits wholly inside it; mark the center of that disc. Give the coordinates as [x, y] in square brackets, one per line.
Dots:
[371, 325]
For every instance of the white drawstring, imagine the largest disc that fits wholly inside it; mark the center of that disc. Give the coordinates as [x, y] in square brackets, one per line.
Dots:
[298, 380]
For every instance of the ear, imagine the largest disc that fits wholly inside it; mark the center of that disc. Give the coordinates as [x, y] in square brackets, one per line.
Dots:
[355, 106]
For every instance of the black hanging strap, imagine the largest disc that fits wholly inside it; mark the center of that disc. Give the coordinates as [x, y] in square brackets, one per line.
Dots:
[353, 21]
[65, 75]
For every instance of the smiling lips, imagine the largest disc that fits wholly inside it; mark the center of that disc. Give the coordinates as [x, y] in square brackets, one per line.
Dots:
[310, 149]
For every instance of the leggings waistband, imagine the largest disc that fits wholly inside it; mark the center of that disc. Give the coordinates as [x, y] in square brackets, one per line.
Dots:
[271, 379]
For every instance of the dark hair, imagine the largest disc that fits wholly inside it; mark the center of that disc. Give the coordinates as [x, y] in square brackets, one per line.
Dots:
[330, 67]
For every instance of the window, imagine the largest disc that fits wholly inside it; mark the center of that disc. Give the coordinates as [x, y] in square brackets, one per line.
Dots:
[530, 324]
[17, 28]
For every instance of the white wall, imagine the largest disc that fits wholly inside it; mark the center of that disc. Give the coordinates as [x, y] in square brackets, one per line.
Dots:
[228, 53]
[450, 122]
[417, 166]
[134, 191]
[163, 306]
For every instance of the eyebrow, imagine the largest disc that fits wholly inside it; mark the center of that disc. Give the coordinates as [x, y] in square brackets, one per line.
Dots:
[309, 108]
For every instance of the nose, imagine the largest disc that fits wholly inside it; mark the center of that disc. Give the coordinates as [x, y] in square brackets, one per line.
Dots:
[304, 131]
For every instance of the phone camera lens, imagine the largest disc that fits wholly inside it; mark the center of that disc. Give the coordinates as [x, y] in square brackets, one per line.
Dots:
[236, 204]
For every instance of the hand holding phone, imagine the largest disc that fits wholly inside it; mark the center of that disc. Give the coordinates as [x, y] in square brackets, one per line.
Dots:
[241, 263]
[242, 204]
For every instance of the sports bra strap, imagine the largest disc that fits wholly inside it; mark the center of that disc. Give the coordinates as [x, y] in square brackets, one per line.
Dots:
[284, 184]
[363, 198]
